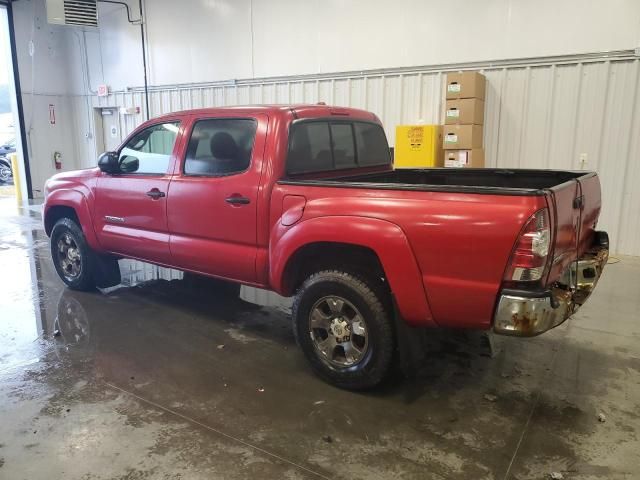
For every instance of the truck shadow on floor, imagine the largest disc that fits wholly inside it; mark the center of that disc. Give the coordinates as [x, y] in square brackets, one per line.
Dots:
[192, 314]
[193, 309]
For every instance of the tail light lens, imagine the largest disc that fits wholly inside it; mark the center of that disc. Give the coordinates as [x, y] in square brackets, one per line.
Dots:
[529, 258]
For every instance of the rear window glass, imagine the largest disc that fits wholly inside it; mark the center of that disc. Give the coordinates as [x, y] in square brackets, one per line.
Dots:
[309, 148]
[319, 146]
[372, 145]
[344, 150]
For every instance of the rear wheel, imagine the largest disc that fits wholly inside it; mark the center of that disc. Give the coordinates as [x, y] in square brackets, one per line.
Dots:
[72, 256]
[344, 329]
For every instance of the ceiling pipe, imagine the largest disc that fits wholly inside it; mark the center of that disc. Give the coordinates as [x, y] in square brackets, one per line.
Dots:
[144, 63]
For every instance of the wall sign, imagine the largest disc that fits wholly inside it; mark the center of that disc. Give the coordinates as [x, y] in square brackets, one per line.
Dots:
[103, 90]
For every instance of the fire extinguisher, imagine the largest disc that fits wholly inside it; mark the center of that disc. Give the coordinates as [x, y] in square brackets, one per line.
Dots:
[57, 160]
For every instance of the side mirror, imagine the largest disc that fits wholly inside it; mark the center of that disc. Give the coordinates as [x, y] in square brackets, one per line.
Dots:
[108, 162]
[129, 164]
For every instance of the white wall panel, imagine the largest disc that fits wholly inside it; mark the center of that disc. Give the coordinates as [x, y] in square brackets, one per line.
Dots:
[627, 222]
[510, 122]
[539, 116]
[358, 94]
[45, 138]
[593, 87]
[563, 117]
[535, 112]
[496, 80]
[615, 142]
[206, 40]
[82, 125]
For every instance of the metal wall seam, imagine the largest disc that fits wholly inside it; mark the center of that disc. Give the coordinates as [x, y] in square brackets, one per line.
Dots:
[549, 122]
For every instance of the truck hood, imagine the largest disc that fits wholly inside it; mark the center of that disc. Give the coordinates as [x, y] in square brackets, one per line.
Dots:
[75, 174]
[68, 179]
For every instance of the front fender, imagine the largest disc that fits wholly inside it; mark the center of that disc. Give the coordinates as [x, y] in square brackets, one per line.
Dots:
[76, 200]
[386, 239]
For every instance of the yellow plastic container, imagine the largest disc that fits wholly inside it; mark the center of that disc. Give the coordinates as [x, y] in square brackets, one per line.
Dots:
[418, 146]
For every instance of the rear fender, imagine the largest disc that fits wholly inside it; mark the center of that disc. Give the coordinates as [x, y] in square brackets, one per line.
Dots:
[78, 202]
[386, 239]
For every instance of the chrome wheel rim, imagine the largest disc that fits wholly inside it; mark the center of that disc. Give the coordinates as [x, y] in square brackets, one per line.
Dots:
[338, 331]
[69, 257]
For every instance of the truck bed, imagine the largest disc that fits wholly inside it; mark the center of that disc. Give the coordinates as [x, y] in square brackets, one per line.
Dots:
[472, 180]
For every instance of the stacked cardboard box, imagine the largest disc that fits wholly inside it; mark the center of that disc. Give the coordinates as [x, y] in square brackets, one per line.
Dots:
[464, 118]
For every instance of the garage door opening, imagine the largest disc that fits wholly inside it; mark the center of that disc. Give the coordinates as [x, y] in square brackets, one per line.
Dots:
[15, 181]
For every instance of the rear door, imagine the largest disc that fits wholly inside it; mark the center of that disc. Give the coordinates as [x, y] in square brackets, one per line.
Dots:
[131, 207]
[212, 209]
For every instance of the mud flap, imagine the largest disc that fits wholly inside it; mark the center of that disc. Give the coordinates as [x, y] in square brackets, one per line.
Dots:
[411, 343]
[106, 271]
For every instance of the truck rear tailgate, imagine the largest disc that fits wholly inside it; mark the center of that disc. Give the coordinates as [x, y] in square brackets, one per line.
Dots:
[591, 203]
[574, 208]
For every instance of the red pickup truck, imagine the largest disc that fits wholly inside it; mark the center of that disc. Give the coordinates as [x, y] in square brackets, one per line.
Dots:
[304, 200]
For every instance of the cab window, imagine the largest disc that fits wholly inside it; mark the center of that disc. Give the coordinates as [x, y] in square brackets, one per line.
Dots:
[149, 151]
[220, 146]
[321, 145]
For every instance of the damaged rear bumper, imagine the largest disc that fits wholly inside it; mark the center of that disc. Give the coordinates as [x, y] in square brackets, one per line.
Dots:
[527, 314]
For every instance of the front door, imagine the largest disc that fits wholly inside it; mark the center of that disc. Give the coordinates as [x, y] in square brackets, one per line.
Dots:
[131, 207]
[213, 196]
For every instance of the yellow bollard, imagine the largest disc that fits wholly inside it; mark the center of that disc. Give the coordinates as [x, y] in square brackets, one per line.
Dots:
[16, 177]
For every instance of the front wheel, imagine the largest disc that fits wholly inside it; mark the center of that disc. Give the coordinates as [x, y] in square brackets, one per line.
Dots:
[72, 257]
[344, 329]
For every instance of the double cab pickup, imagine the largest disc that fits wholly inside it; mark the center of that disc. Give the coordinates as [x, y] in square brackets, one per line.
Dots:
[304, 200]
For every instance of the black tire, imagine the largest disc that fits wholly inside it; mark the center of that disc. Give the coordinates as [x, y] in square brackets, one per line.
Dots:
[370, 303]
[84, 280]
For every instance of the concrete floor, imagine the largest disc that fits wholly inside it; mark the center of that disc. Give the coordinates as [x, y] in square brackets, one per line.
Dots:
[156, 379]
[7, 190]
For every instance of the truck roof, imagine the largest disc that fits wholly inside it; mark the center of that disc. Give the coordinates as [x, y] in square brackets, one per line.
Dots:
[298, 110]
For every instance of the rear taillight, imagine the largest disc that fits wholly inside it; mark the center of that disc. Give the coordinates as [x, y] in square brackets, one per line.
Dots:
[529, 258]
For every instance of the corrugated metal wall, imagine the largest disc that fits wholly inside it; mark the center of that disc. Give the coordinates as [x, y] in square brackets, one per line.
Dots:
[537, 116]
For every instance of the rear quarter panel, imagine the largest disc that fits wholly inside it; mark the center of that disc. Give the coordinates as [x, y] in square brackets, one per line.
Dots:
[461, 242]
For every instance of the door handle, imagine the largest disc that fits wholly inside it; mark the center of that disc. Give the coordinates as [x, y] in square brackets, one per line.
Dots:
[237, 200]
[155, 194]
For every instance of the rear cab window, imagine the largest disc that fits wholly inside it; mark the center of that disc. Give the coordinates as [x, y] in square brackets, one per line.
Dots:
[325, 145]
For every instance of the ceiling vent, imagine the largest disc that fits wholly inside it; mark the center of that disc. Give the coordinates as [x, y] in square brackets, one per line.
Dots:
[76, 13]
